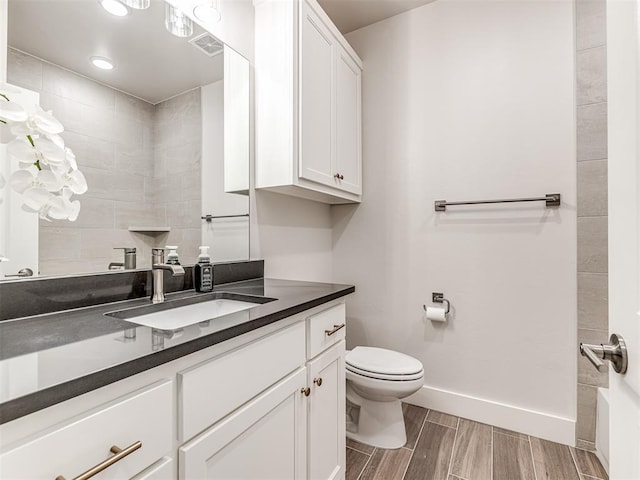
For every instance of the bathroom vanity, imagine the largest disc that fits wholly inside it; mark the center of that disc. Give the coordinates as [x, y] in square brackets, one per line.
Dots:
[255, 394]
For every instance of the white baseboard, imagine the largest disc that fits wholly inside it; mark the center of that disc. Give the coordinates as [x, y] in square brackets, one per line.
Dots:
[531, 422]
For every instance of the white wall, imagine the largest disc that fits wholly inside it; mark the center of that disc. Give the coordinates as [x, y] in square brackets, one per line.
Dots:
[293, 236]
[470, 100]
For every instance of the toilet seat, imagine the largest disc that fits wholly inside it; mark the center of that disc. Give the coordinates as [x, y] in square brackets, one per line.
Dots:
[383, 364]
[382, 376]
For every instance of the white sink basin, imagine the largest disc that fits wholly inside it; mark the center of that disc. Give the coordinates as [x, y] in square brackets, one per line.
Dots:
[176, 314]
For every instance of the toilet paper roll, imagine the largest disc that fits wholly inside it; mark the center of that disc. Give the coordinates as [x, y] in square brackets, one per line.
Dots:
[437, 314]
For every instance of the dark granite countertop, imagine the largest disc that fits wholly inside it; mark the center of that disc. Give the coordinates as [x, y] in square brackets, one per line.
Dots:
[47, 359]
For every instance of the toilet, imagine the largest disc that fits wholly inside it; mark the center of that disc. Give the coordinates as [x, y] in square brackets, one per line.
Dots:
[377, 379]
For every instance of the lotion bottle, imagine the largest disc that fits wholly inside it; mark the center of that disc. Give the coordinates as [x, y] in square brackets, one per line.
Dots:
[203, 271]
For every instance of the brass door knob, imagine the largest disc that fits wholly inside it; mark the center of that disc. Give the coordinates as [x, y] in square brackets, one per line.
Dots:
[317, 381]
[306, 391]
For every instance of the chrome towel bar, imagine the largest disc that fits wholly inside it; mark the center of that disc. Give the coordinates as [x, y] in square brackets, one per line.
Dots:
[550, 199]
[209, 218]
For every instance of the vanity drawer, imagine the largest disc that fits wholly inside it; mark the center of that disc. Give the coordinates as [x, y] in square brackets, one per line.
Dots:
[211, 390]
[75, 446]
[325, 329]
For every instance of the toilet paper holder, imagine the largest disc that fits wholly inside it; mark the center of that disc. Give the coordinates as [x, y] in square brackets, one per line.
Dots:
[439, 298]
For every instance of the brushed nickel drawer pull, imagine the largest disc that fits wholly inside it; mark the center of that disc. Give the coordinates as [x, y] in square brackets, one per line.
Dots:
[119, 455]
[318, 381]
[335, 329]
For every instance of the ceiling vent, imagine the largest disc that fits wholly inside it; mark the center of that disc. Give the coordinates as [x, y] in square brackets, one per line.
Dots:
[208, 44]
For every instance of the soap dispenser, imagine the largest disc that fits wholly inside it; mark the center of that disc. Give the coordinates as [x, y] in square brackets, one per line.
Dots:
[172, 256]
[203, 271]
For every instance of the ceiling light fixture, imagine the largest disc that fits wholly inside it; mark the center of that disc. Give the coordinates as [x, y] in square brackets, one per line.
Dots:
[103, 63]
[114, 7]
[177, 22]
[208, 12]
[137, 4]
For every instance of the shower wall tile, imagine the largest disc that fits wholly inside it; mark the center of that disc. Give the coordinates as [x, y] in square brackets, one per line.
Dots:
[590, 19]
[91, 152]
[24, 70]
[592, 84]
[134, 214]
[592, 131]
[592, 188]
[592, 244]
[593, 301]
[587, 374]
[59, 243]
[114, 185]
[94, 213]
[132, 107]
[181, 215]
[191, 186]
[69, 85]
[136, 160]
[586, 424]
[591, 115]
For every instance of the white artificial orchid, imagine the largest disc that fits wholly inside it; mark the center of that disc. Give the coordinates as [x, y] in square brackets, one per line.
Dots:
[39, 123]
[48, 174]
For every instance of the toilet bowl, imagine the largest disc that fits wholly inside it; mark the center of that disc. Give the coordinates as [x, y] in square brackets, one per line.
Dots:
[377, 379]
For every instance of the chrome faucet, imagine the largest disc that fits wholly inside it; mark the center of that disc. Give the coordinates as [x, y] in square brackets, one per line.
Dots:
[158, 267]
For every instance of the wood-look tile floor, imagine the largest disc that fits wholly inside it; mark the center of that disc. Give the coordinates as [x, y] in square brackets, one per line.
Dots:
[444, 447]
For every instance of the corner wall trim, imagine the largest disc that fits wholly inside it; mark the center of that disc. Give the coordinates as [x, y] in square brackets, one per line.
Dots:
[531, 422]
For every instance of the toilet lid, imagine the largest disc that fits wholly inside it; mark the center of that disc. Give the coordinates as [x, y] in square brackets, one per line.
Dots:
[382, 361]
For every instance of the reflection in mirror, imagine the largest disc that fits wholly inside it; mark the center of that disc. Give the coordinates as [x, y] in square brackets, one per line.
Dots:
[162, 138]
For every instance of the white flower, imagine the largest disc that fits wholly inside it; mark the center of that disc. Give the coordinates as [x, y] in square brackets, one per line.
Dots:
[28, 178]
[43, 152]
[12, 112]
[37, 123]
[36, 187]
[48, 174]
[75, 182]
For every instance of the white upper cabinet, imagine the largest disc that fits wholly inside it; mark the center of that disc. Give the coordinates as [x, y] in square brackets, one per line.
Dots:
[308, 104]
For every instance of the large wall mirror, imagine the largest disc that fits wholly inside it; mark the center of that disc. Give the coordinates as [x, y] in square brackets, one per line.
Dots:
[162, 138]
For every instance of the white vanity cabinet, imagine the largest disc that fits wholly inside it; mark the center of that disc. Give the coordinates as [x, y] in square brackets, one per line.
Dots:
[308, 104]
[140, 422]
[265, 439]
[266, 404]
[326, 401]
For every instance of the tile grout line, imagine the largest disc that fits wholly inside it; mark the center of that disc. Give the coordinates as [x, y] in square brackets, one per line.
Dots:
[575, 463]
[491, 455]
[533, 460]
[415, 445]
[453, 448]
[360, 451]
[366, 464]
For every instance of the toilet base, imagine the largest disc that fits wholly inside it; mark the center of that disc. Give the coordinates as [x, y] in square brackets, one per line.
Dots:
[380, 424]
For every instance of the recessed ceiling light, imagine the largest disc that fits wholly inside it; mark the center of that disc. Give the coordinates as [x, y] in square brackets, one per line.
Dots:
[102, 62]
[208, 12]
[114, 7]
[137, 4]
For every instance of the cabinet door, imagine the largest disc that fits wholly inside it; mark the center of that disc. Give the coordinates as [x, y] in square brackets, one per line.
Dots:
[326, 438]
[265, 439]
[348, 123]
[316, 98]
